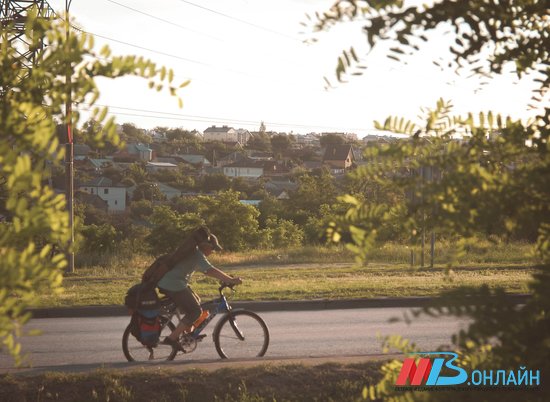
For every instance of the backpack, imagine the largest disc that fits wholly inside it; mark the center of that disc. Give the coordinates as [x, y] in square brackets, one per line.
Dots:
[166, 262]
[143, 302]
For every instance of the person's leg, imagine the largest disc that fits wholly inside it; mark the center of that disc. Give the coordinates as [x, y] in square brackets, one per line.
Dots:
[189, 304]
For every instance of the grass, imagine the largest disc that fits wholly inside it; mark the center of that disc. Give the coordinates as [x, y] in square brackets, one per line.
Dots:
[315, 273]
[328, 382]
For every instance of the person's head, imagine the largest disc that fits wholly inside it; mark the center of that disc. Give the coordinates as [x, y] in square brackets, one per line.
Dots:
[212, 244]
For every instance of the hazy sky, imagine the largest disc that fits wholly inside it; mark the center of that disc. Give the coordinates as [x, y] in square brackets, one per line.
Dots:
[247, 63]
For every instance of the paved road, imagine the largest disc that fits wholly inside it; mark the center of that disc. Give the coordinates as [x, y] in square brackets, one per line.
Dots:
[90, 342]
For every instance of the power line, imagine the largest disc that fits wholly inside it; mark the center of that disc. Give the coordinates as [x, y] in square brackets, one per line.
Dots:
[242, 21]
[209, 119]
[187, 59]
[269, 54]
[165, 21]
[144, 48]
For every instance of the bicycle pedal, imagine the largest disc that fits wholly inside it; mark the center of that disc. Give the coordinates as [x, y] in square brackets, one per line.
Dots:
[200, 337]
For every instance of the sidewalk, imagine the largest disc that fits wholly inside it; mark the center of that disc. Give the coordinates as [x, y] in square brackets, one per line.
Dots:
[259, 306]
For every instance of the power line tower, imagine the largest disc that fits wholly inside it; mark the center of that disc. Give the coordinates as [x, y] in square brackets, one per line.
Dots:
[13, 16]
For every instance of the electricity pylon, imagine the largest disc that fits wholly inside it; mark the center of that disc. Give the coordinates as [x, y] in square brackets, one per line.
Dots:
[13, 17]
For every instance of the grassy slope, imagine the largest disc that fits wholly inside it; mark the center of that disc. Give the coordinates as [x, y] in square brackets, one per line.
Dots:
[328, 382]
[313, 273]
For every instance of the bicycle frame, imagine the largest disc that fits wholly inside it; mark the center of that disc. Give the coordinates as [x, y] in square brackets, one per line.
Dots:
[221, 305]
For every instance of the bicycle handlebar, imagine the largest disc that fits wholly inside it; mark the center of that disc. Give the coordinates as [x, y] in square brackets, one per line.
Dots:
[224, 285]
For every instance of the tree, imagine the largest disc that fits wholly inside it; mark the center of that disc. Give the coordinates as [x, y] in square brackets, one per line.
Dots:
[131, 133]
[235, 224]
[170, 228]
[487, 177]
[313, 191]
[280, 144]
[31, 103]
[214, 182]
[486, 36]
[331, 139]
[260, 142]
[148, 191]
[99, 239]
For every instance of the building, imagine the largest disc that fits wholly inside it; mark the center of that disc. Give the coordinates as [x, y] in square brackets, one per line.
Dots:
[141, 151]
[157, 166]
[222, 134]
[246, 168]
[339, 157]
[114, 195]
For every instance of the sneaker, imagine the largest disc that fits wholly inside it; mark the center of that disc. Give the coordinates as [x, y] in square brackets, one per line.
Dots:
[170, 342]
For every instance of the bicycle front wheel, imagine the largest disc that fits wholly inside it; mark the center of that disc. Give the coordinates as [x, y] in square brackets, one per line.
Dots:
[134, 351]
[241, 335]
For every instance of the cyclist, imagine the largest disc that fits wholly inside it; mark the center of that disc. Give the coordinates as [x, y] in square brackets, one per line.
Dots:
[175, 284]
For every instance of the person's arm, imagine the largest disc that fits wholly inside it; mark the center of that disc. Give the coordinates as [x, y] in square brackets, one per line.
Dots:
[222, 276]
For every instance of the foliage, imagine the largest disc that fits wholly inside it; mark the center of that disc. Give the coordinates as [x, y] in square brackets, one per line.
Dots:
[214, 182]
[141, 209]
[132, 134]
[259, 141]
[313, 191]
[235, 224]
[488, 184]
[281, 233]
[497, 180]
[148, 191]
[31, 103]
[331, 139]
[486, 36]
[99, 239]
[280, 143]
[170, 229]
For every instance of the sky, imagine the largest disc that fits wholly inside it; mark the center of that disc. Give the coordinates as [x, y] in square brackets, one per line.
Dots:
[248, 62]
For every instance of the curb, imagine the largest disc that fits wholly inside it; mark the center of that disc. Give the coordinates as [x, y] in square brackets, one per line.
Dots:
[261, 306]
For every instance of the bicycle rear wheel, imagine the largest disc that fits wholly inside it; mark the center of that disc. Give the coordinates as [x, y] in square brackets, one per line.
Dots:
[241, 335]
[134, 351]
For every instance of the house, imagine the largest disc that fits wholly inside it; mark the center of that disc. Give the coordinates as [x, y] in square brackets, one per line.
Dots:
[275, 168]
[260, 156]
[254, 203]
[280, 189]
[231, 158]
[339, 157]
[193, 159]
[308, 140]
[156, 166]
[91, 199]
[81, 151]
[168, 191]
[114, 195]
[156, 136]
[222, 134]
[141, 151]
[244, 168]
[94, 165]
[243, 136]
[312, 165]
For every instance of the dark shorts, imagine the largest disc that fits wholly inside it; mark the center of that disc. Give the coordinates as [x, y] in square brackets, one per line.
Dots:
[188, 303]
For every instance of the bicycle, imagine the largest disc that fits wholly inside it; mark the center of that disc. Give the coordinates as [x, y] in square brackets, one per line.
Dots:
[238, 334]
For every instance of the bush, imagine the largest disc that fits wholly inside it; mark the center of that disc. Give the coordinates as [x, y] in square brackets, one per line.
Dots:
[281, 233]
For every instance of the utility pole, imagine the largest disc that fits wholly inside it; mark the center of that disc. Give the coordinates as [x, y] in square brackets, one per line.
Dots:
[69, 150]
